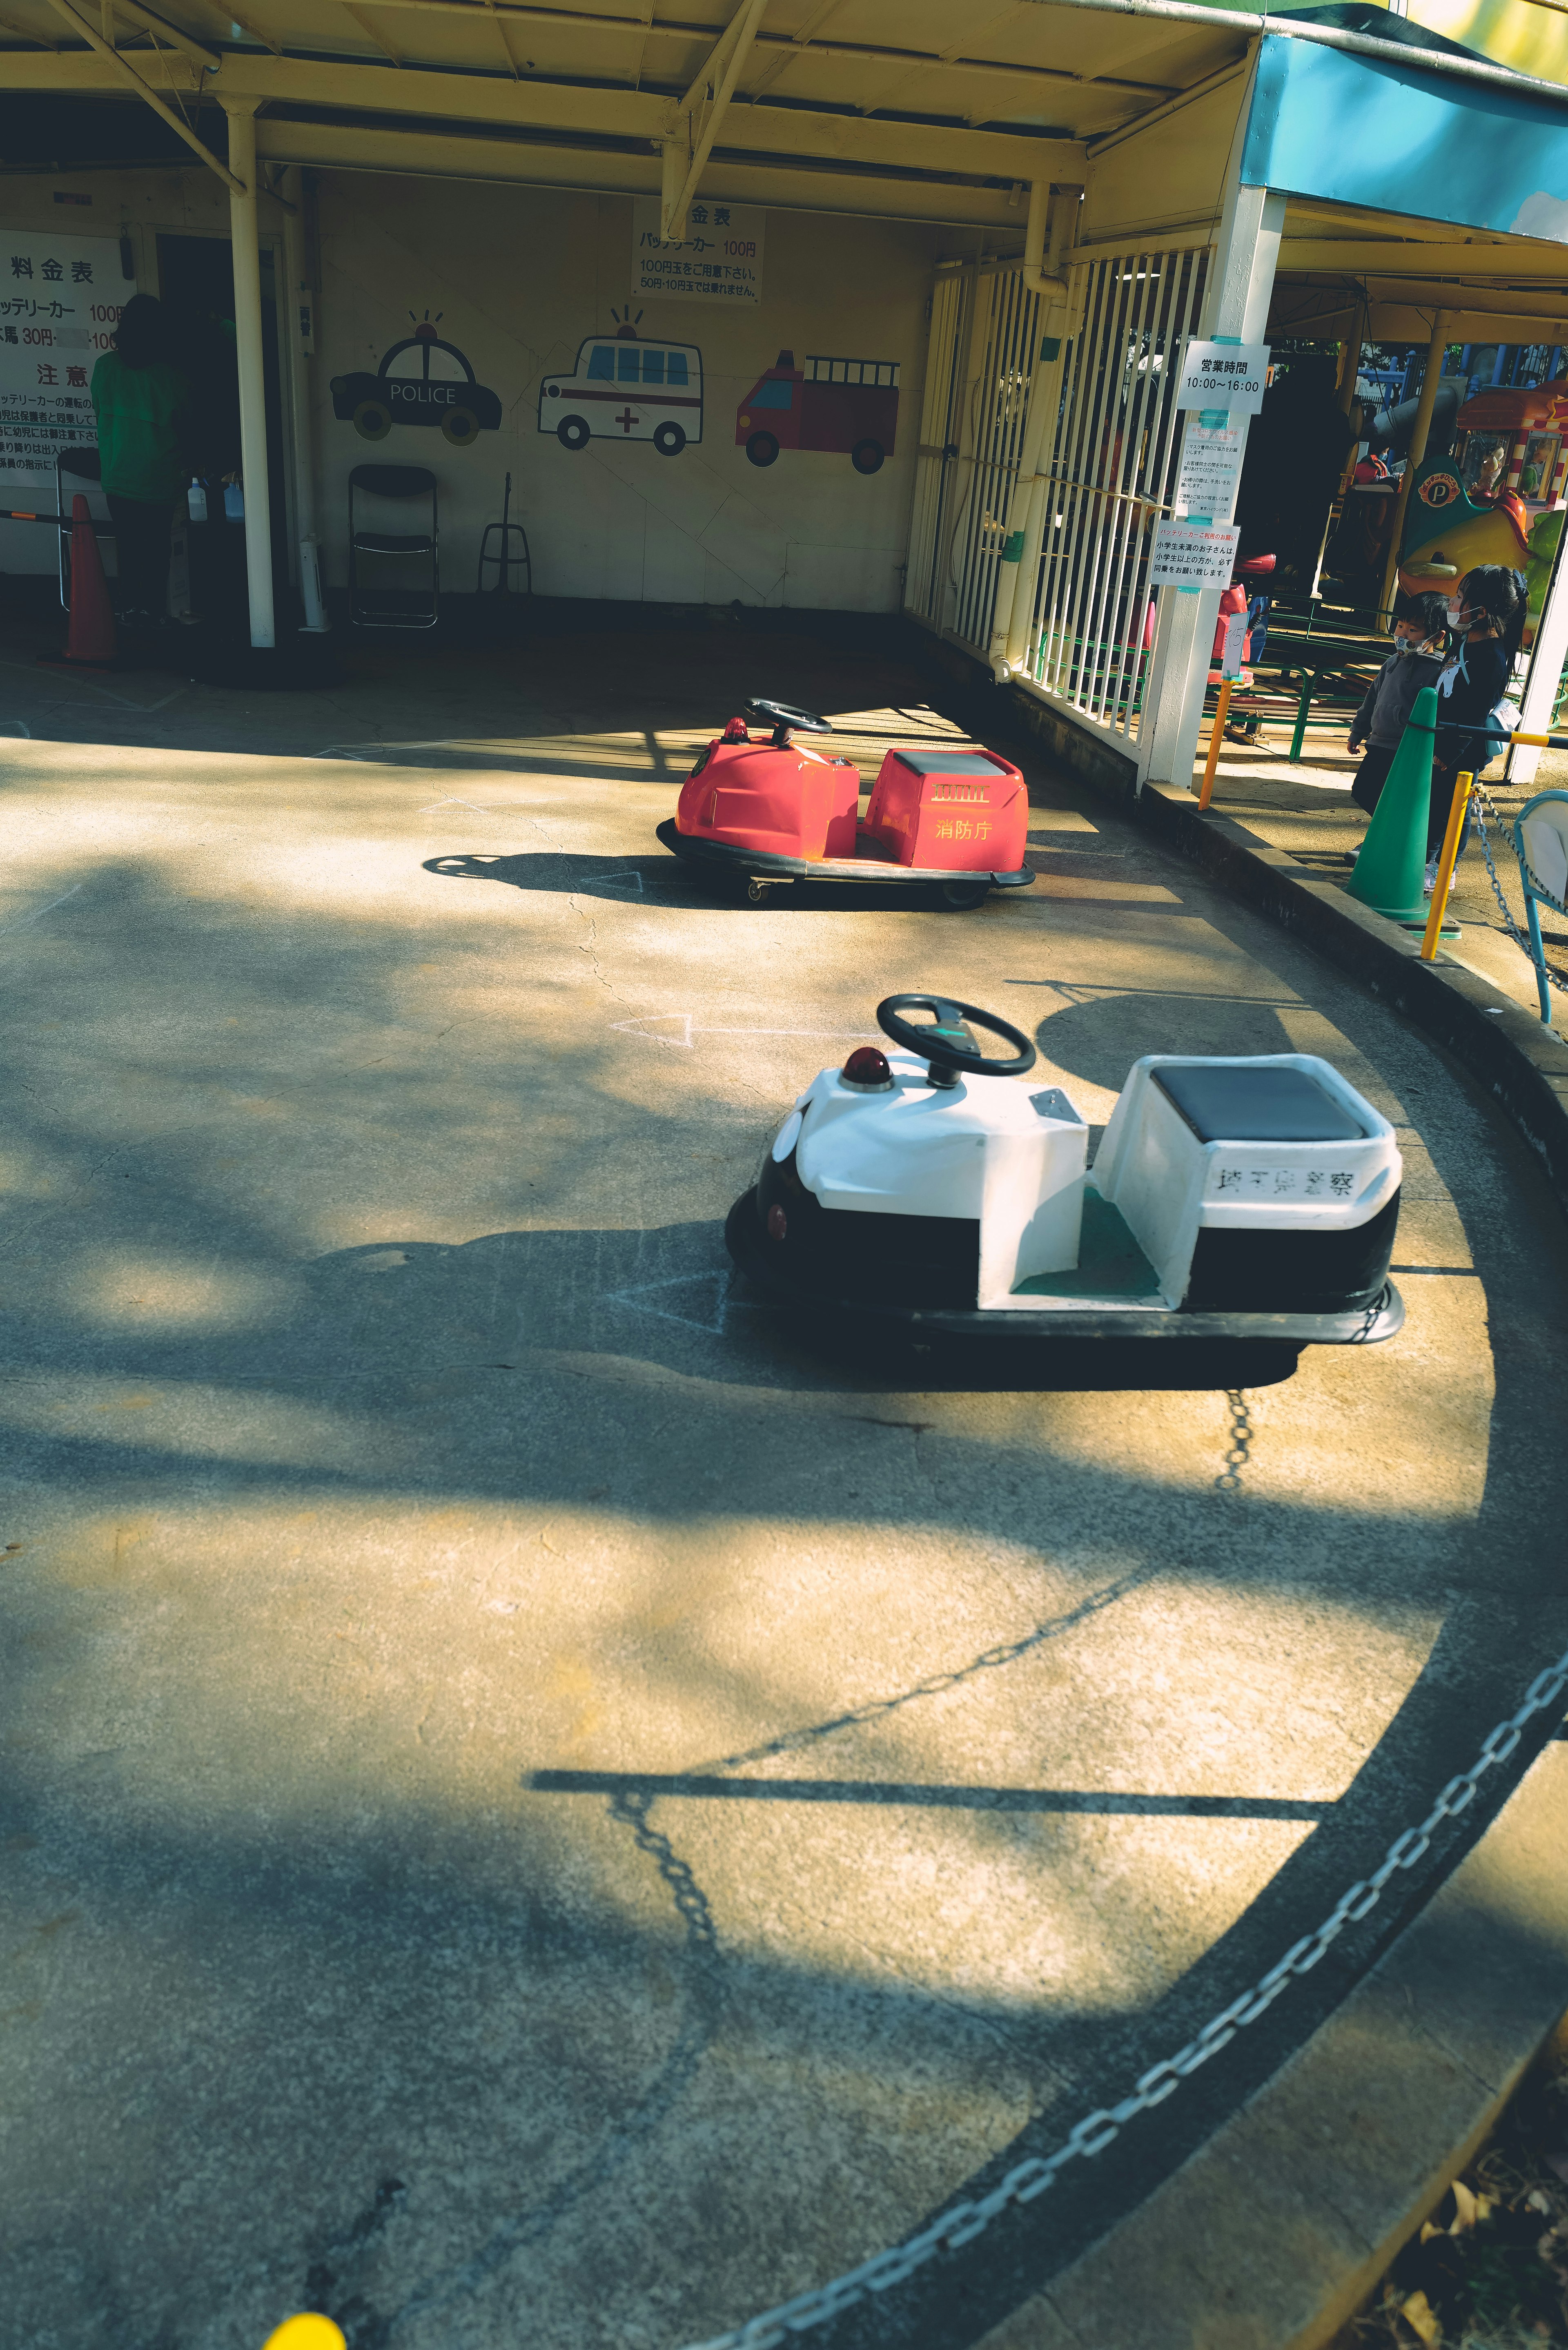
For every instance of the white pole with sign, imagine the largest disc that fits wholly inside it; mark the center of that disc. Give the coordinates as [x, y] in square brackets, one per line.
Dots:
[1240, 286]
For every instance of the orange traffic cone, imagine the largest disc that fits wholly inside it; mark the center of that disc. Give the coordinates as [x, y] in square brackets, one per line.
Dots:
[90, 641]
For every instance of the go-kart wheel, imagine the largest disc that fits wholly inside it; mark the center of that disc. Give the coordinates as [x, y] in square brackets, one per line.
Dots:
[761, 448]
[785, 719]
[668, 439]
[756, 893]
[867, 456]
[372, 421]
[572, 433]
[461, 427]
[947, 1041]
[958, 897]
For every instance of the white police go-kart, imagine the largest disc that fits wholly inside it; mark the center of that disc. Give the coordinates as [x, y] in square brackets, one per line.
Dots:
[1230, 1198]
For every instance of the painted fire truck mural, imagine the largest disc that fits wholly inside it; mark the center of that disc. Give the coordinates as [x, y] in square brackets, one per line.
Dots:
[848, 407]
[623, 388]
[460, 404]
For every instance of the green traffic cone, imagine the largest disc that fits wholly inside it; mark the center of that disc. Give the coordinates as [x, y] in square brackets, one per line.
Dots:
[1392, 864]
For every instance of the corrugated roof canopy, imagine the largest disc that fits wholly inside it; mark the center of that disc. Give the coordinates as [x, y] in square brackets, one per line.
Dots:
[909, 96]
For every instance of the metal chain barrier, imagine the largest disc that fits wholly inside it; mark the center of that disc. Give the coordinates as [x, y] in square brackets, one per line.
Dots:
[1519, 938]
[1030, 2179]
[1238, 1451]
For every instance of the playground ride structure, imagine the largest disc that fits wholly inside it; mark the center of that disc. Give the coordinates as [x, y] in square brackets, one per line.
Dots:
[1230, 1198]
[1516, 438]
[1498, 498]
[953, 819]
[623, 388]
[847, 407]
[374, 403]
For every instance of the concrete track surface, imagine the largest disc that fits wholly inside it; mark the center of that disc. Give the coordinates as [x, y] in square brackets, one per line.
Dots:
[542, 1805]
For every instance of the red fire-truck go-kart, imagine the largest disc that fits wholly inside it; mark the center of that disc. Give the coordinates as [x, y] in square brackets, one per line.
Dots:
[954, 821]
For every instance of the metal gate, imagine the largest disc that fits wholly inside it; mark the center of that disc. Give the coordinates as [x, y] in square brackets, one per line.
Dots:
[978, 377]
[1110, 463]
[1111, 472]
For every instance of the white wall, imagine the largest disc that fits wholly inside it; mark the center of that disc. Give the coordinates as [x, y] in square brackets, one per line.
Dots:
[520, 276]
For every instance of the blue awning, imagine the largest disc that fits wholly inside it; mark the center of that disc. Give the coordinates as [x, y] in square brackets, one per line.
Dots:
[1358, 130]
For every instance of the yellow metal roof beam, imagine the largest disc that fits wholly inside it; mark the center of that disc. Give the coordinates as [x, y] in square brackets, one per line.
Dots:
[798, 42]
[1448, 294]
[125, 72]
[373, 148]
[175, 35]
[501, 35]
[687, 147]
[945, 57]
[786, 132]
[640, 28]
[25, 33]
[361, 18]
[1358, 256]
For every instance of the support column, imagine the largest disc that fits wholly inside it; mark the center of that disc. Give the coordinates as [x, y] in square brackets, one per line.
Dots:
[1418, 432]
[1236, 303]
[1350, 359]
[1547, 656]
[302, 416]
[243, 230]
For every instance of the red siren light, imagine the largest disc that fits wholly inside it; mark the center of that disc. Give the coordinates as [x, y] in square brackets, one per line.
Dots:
[867, 1068]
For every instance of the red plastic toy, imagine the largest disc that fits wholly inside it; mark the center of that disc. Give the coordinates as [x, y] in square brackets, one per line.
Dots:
[778, 811]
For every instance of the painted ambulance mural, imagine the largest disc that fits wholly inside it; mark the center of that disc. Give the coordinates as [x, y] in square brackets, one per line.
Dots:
[458, 402]
[623, 388]
[848, 407]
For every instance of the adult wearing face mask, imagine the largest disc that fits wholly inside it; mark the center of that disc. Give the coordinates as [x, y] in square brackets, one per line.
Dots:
[1487, 617]
[1420, 639]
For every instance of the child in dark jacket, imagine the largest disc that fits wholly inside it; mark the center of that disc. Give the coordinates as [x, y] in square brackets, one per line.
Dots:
[1420, 638]
[1487, 616]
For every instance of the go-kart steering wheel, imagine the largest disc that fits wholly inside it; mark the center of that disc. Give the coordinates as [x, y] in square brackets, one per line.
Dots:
[783, 716]
[957, 1053]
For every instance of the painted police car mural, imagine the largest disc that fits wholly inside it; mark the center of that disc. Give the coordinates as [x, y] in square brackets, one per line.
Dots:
[624, 389]
[460, 404]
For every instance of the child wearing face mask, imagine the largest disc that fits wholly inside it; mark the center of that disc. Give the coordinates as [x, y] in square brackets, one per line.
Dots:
[1420, 637]
[1487, 617]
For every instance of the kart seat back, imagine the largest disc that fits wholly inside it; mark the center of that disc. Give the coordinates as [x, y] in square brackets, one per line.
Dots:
[966, 809]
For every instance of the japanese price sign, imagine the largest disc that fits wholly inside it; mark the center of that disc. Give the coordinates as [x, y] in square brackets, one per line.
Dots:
[61, 297]
[1211, 470]
[719, 260]
[1224, 375]
[1193, 555]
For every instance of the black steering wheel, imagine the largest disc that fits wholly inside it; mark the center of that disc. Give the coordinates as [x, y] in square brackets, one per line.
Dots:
[957, 1054]
[784, 718]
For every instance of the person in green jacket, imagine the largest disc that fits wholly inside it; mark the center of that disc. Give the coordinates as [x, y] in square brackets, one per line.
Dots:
[139, 398]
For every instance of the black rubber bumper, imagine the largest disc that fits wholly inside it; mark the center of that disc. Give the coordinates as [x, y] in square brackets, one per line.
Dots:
[748, 1246]
[759, 865]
